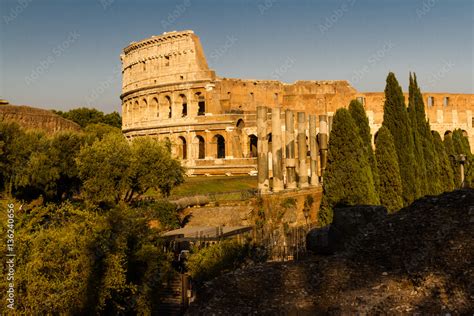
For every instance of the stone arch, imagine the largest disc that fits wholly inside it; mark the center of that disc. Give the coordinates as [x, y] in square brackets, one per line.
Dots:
[219, 146]
[201, 101]
[464, 133]
[154, 111]
[240, 124]
[253, 140]
[182, 148]
[167, 106]
[184, 105]
[448, 133]
[201, 147]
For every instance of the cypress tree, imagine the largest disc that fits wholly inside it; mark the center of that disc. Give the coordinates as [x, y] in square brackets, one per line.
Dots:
[348, 177]
[390, 191]
[451, 153]
[395, 118]
[431, 160]
[461, 146]
[417, 122]
[445, 170]
[362, 122]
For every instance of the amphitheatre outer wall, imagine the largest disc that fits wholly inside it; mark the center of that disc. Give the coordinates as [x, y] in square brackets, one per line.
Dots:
[169, 93]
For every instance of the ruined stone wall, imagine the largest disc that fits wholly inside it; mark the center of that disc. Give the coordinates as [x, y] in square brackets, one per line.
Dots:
[34, 118]
[170, 93]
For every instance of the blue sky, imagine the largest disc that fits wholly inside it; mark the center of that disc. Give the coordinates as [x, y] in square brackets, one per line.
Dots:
[65, 54]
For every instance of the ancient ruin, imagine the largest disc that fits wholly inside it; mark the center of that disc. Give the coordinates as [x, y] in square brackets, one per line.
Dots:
[219, 125]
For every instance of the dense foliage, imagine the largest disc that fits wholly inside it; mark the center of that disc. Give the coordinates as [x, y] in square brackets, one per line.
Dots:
[390, 190]
[362, 122]
[395, 118]
[348, 177]
[85, 116]
[83, 241]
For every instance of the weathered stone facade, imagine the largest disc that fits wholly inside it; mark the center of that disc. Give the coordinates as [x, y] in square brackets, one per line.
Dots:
[33, 118]
[169, 92]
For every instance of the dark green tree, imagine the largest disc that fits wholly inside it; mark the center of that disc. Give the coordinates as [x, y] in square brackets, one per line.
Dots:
[453, 159]
[428, 152]
[445, 171]
[463, 149]
[362, 122]
[85, 116]
[416, 115]
[390, 190]
[348, 176]
[396, 119]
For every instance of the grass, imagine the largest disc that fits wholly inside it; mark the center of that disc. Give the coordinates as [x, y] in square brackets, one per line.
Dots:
[207, 185]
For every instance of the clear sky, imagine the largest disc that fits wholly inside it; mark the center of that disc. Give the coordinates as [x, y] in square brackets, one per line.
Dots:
[63, 54]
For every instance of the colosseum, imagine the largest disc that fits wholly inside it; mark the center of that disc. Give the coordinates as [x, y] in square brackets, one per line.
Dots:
[169, 92]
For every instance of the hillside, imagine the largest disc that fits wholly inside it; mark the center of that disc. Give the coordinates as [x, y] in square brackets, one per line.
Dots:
[418, 260]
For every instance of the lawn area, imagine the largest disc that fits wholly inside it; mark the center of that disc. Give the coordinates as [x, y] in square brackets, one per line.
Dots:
[206, 185]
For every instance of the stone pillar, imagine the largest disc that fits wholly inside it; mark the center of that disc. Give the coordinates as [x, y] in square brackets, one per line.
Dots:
[277, 150]
[302, 151]
[323, 141]
[290, 150]
[262, 149]
[313, 148]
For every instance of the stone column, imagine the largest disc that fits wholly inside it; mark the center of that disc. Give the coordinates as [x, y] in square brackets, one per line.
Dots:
[262, 149]
[290, 150]
[323, 141]
[302, 151]
[277, 150]
[313, 148]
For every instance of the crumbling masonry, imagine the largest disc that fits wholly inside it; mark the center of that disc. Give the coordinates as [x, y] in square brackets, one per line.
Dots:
[220, 126]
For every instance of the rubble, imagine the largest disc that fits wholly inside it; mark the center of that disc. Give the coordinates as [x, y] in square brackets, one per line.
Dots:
[418, 260]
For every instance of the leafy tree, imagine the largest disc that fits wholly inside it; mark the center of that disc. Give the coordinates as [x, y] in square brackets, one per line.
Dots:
[114, 170]
[360, 118]
[85, 116]
[51, 171]
[348, 177]
[445, 171]
[73, 261]
[396, 119]
[390, 190]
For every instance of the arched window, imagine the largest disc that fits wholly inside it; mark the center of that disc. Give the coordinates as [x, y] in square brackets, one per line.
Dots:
[168, 104]
[219, 141]
[240, 124]
[253, 146]
[201, 104]
[201, 147]
[184, 105]
[182, 148]
[154, 108]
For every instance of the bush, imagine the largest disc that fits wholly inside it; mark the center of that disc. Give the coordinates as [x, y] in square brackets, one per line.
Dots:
[209, 262]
